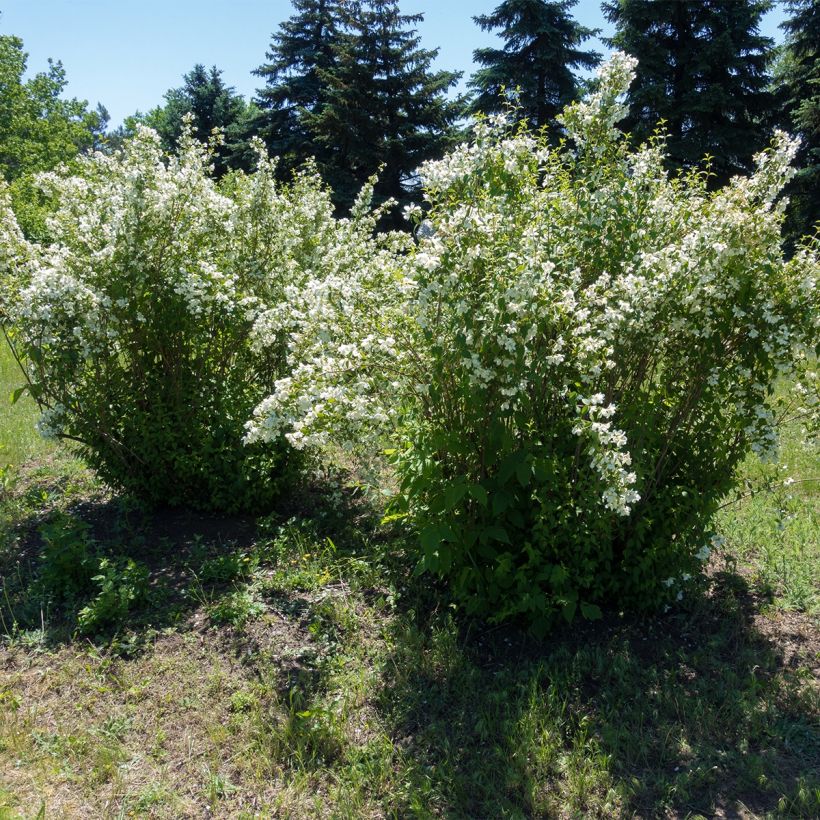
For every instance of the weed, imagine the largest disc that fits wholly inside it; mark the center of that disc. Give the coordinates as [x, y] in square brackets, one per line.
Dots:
[68, 564]
[226, 568]
[236, 608]
[121, 584]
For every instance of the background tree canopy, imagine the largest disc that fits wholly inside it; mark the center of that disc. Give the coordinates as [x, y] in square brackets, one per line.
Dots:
[702, 69]
[540, 56]
[799, 88]
[350, 85]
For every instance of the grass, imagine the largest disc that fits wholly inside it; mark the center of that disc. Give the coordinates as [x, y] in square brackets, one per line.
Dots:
[775, 534]
[19, 439]
[289, 667]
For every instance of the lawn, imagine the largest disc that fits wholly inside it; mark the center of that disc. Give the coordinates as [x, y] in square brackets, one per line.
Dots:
[291, 666]
[19, 440]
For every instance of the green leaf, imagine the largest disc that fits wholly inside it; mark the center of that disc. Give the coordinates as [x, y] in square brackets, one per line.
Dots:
[478, 493]
[430, 538]
[568, 610]
[15, 396]
[542, 470]
[523, 473]
[590, 611]
[509, 465]
[454, 493]
[501, 501]
[497, 534]
[559, 575]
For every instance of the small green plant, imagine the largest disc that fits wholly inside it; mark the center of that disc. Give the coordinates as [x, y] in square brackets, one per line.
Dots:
[8, 478]
[236, 608]
[302, 558]
[68, 563]
[121, 584]
[223, 569]
[243, 701]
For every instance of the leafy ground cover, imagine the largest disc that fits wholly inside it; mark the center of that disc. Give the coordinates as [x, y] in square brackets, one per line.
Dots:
[179, 665]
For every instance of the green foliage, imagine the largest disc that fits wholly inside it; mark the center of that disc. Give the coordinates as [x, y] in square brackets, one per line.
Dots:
[541, 51]
[496, 485]
[68, 563]
[223, 569]
[772, 525]
[350, 84]
[236, 608]
[302, 48]
[99, 592]
[147, 383]
[138, 343]
[702, 69]
[570, 365]
[212, 105]
[302, 559]
[798, 82]
[39, 129]
[121, 584]
[18, 436]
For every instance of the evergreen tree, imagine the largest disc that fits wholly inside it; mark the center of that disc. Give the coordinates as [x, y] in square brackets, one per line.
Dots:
[382, 106]
[702, 67]
[800, 84]
[300, 51]
[213, 105]
[541, 52]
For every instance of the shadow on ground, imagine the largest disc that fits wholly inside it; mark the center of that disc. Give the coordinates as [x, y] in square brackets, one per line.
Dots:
[55, 534]
[696, 713]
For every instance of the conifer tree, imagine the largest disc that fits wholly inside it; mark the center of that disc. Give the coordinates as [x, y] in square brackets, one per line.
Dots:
[540, 55]
[383, 107]
[702, 68]
[213, 105]
[800, 84]
[301, 49]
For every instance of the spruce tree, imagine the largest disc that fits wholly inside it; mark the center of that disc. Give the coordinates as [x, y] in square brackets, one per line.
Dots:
[800, 85]
[702, 68]
[301, 49]
[213, 105]
[540, 55]
[382, 107]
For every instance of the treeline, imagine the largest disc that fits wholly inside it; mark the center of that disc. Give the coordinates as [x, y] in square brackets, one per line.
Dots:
[349, 85]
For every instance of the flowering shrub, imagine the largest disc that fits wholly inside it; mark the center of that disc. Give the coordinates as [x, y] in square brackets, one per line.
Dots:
[134, 323]
[569, 365]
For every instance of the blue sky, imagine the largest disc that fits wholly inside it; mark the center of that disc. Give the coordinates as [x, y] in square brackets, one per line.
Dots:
[127, 53]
